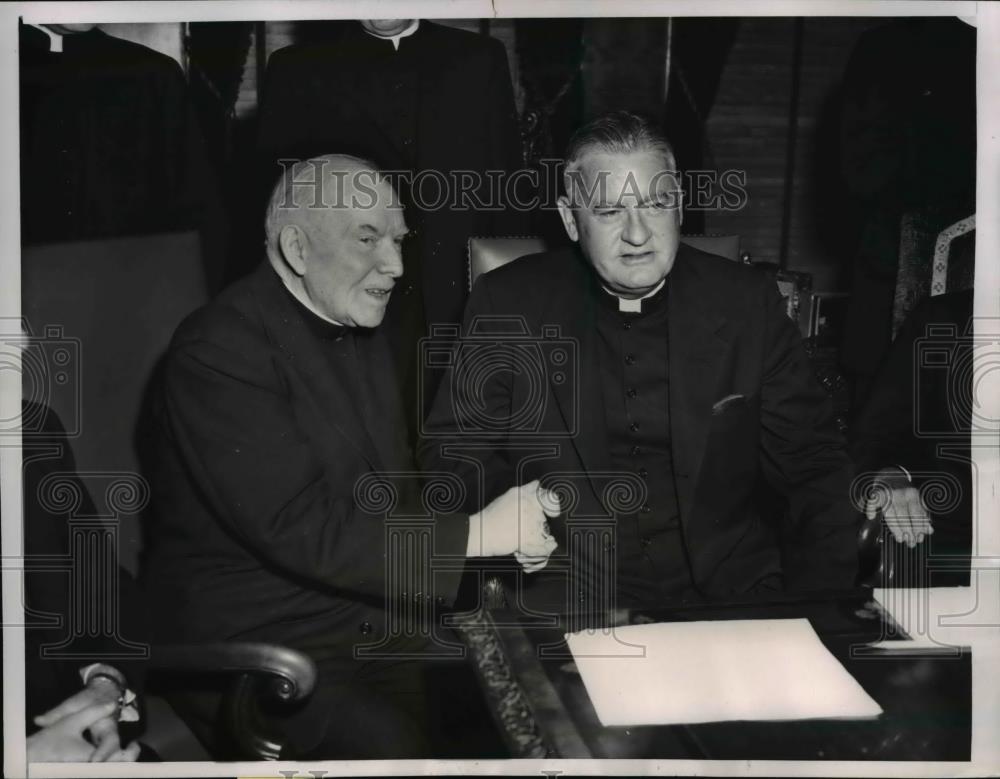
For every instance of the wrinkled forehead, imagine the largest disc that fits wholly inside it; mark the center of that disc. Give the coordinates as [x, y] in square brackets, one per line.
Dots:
[359, 198]
[607, 178]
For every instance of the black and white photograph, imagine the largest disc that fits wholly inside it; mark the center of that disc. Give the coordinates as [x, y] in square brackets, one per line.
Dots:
[530, 388]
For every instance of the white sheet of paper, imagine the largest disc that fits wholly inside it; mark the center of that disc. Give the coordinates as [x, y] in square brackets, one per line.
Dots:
[942, 617]
[774, 669]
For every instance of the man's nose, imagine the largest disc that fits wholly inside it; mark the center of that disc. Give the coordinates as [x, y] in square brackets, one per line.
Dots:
[391, 261]
[636, 232]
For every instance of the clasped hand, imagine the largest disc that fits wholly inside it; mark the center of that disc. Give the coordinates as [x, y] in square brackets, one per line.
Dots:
[516, 523]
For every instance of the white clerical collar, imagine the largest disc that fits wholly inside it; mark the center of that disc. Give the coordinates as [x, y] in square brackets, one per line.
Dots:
[634, 305]
[55, 39]
[398, 36]
[305, 301]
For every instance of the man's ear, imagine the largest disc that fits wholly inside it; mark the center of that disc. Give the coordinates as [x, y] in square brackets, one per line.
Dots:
[292, 242]
[568, 217]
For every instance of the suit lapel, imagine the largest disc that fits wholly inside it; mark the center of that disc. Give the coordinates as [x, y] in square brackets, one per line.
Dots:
[310, 358]
[580, 400]
[698, 348]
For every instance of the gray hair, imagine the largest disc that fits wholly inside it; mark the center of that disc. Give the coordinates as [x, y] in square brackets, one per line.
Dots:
[283, 202]
[619, 132]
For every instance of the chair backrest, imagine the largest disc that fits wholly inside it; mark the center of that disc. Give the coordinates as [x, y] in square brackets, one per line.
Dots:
[487, 253]
[101, 314]
[936, 255]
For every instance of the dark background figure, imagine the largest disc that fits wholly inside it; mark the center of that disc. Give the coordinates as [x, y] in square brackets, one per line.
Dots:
[908, 147]
[550, 55]
[440, 102]
[571, 70]
[110, 145]
[698, 54]
[919, 415]
[51, 487]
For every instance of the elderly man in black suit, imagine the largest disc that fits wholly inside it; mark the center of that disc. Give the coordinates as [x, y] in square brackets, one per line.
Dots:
[431, 102]
[655, 384]
[282, 468]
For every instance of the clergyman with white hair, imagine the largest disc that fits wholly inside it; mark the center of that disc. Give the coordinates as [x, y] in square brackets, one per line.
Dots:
[278, 433]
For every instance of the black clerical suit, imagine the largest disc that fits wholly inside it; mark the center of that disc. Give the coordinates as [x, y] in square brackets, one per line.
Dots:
[659, 426]
[267, 525]
[441, 104]
[110, 145]
[919, 416]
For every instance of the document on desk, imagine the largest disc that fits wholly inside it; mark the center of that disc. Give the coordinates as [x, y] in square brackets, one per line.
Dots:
[716, 671]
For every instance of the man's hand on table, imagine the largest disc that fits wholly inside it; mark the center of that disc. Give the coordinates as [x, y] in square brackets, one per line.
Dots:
[904, 512]
[516, 523]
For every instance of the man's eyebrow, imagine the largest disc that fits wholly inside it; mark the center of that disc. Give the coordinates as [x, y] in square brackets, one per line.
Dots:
[368, 228]
[656, 197]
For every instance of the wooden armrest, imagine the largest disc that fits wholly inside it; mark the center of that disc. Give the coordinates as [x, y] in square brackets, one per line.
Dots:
[294, 674]
[263, 673]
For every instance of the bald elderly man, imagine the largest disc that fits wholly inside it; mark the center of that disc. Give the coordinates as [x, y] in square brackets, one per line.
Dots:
[281, 467]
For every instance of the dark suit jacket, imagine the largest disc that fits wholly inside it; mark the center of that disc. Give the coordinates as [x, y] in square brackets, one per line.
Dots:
[266, 433]
[919, 415]
[742, 402]
[443, 102]
[110, 145]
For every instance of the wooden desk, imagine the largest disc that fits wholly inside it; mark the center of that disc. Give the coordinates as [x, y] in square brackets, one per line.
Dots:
[542, 707]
